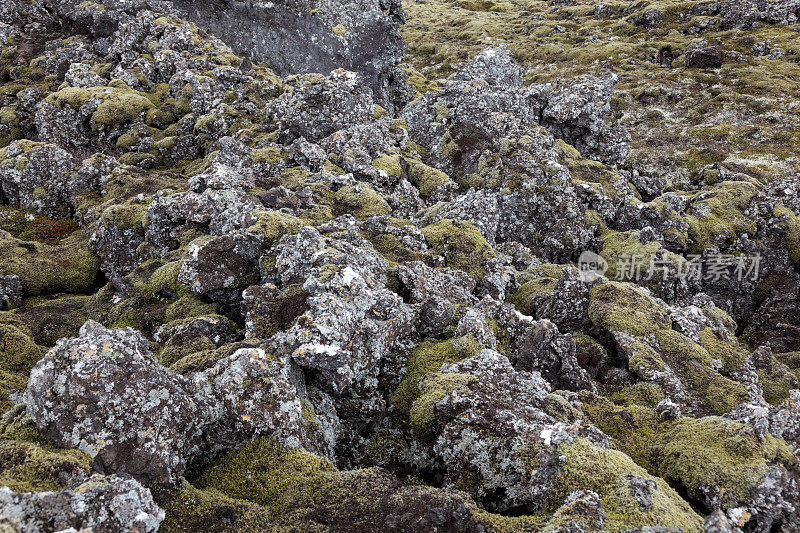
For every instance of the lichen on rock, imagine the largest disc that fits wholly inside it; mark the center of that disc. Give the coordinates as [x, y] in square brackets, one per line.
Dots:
[361, 265]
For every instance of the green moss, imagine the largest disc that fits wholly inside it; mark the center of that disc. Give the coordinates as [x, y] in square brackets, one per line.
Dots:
[8, 118]
[792, 237]
[791, 360]
[692, 363]
[361, 201]
[161, 116]
[379, 112]
[530, 293]
[310, 421]
[394, 251]
[644, 394]
[561, 409]
[188, 306]
[134, 158]
[272, 225]
[44, 268]
[429, 356]
[127, 140]
[51, 318]
[18, 351]
[714, 451]
[183, 103]
[624, 307]
[29, 463]
[302, 492]
[271, 154]
[623, 249]
[391, 164]
[607, 472]
[193, 510]
[339, 29]
[126, 216]
[587, 171]
[725, 220]
[777, 380]
[462, 246]
[279, 479]
[116, 105]
[434, 387]
[730, 353]
[426, 179]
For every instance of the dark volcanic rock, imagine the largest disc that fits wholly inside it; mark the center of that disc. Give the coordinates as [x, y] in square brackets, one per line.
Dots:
[291, 37]
[707, 57]
[296, 37]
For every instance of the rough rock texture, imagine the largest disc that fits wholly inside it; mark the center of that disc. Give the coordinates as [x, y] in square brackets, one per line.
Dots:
[100, 504]
[152, 423]
[263, 271]
[298, 37]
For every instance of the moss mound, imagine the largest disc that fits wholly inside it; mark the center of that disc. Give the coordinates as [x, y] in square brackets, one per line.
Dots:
[116, 105]
[42, 268]
[462, 246]
[429, 356]
[624, 307]
[608, 473]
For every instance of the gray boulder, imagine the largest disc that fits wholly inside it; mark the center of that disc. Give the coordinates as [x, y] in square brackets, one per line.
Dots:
[101, 504]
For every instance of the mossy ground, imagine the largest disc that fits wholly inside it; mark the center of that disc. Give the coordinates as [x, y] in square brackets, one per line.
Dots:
[29, 463]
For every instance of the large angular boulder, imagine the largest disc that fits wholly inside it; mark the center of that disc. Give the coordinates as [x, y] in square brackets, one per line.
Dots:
[106, 394]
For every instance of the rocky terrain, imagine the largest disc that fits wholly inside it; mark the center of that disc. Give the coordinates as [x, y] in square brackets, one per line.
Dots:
[352, 265]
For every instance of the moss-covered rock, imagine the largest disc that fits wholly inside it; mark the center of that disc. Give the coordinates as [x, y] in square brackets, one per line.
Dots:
[429, 356]
[624, 307]
[434, 387]
[693, 364]
[722, 218]
[299, 491]
[116, 105]
[42, 268]
[628, 258]
[391, 164]
[532, 293]
[461, 244]
[359, 200]
[722, 453]
[427, 179]
[272, 225]
[709, 452]
[608, 473]
[394, 251]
